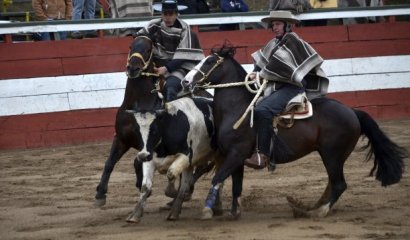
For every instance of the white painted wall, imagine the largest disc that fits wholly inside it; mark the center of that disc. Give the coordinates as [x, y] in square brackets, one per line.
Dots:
[65, 93]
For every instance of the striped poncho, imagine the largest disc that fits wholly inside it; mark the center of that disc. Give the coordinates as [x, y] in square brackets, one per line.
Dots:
[291, 60]
[173, 42]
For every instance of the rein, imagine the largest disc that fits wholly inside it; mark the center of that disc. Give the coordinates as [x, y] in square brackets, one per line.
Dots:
[256, 83]
[206, 75]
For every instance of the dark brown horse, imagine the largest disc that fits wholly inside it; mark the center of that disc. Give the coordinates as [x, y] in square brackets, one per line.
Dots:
[332, 131]
[139, 95]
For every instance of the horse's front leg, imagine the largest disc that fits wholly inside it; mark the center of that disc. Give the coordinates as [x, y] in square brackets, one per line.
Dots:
[146, 189]
[237, 182]
[117, 151]
[231, 166]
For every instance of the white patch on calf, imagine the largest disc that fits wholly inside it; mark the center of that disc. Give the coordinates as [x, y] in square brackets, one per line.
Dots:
[144, 120]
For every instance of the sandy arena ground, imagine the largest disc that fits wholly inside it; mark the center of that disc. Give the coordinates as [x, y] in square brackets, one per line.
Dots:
[49, 194]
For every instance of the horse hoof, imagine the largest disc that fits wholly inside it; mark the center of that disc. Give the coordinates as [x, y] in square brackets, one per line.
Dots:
[99, 202]
[171, 217]
[299, 213]
[166, 207]
[296, 203]
[133, 219]
[207, 213]
[217, 211]
[233, 216]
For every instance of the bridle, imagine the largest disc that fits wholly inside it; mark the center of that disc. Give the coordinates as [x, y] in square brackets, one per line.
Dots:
[206, 75]
[146, 63]
[259, 86]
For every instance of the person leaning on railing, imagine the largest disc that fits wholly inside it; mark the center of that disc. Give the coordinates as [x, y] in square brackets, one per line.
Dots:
[84, 9]
[52, 10]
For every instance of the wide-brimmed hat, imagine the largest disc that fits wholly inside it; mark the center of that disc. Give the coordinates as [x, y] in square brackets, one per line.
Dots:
[284, 16]
[168, 5]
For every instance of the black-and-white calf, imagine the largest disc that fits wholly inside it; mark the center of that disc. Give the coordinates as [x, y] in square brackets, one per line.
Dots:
[175, 140]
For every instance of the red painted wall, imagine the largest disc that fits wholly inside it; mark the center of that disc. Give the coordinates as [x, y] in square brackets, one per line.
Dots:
[38, 59]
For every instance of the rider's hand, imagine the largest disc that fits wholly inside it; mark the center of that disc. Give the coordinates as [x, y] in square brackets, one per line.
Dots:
[160, 71]
[252, 76]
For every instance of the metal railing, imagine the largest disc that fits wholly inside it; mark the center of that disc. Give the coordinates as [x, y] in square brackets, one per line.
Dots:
[198, 19]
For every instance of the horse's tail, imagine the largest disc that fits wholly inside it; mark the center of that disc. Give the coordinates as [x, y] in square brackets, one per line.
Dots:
[388, 156]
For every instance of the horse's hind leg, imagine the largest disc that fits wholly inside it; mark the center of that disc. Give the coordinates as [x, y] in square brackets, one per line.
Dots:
[336, 186]
[237, 181]
[117, 151]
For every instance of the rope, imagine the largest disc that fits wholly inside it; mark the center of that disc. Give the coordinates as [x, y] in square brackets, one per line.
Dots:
[224, 85]
[251, 105]
[258, 92]
[148, 74]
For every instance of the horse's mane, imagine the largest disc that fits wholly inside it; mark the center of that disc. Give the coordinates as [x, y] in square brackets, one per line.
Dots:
[227, 50]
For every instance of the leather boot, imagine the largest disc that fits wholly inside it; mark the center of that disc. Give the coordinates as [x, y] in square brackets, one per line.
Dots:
[257, 161]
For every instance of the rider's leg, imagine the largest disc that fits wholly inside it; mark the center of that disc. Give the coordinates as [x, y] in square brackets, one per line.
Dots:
[269, 107]
[263, 127]
[171, 88]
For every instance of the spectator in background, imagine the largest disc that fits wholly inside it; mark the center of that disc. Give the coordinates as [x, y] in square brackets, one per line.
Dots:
[49, 11]
[194, 6]
[232, 6]
[129, 8]
[361, 3]
[84, 8]
[319, 4]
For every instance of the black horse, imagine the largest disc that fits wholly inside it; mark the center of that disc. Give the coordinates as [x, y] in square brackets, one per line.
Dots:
[333, 131]
[140, 95]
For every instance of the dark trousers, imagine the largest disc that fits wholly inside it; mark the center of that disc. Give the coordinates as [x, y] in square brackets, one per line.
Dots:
[269, 107]
[171, 88]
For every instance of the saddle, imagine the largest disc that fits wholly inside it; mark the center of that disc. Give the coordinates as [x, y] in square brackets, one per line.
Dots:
[298, 107]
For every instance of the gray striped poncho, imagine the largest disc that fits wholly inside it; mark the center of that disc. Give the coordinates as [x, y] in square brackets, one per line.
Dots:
[173, 43]
[291, 60]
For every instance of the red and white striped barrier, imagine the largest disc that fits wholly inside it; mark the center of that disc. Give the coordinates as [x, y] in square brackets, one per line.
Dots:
[67, 92]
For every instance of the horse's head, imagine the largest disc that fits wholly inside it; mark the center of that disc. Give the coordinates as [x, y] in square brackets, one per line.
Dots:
[139, 57]
[209, 70]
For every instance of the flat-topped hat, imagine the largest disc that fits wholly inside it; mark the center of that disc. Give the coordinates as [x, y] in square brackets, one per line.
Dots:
[284, 16]
[168, 6]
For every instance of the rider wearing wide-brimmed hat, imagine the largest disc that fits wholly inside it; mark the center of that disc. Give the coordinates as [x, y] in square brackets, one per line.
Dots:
[285, 61]
[176, 51]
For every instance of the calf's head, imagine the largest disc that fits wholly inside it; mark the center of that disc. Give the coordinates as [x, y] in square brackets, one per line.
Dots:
[149, 130]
